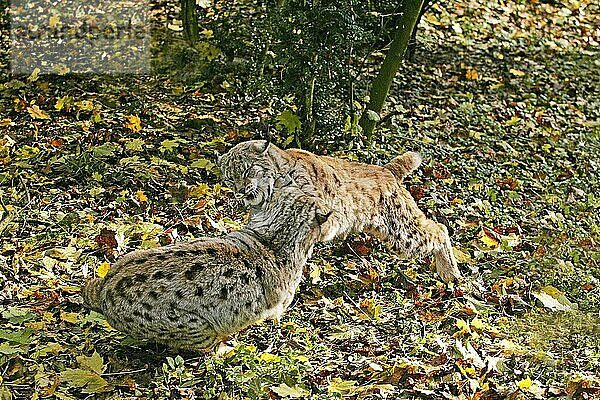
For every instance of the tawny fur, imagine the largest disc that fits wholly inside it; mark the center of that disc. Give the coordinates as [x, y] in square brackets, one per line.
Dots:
[363, 197]
[195, 294]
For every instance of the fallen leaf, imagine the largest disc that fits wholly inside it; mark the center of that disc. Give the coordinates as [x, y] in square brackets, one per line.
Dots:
[268, 357]
[88, 381]
[54, 21]
[554, 299]
[85, 105]
[489, 238]
[340, 386]
[135, 145]
[102, 269]
[92, 363]
[71, 317]
[472, 74]
[514, 120]
[37, 113]
[141, 196]
[134, 123]
[294, 392]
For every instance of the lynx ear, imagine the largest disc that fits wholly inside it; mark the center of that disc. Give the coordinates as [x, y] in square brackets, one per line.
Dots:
[263, 149]
[322, 217]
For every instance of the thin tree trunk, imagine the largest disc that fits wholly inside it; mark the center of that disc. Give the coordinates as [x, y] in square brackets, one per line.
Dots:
[383, 80]
[311, 122]
[412, 44]
[189, 19]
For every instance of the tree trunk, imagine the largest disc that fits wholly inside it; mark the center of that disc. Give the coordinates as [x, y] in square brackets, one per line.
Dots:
[412, 44]
[189, 18]
[383, 80]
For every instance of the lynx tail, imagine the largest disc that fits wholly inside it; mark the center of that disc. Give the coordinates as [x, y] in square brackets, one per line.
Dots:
[404, 164]
[91, 294]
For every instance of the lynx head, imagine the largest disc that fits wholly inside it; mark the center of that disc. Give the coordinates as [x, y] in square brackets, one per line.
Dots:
[290, 220]
[250, 169]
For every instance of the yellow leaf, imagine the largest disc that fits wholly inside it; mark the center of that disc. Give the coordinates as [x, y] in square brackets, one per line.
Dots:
[62, 102]
[516, 72]
[37, 326]
[472, 74]
[337, 385]
[54, 21]
[514, 120]
[71, 317]
[478, 324]
[525, 383]
[315, 273]
[35, 75]
[373, 309]
[488, 240]
[293, 392]
[37, 113]
[141, 196]
[103, 269]
[70, 289]
[432, 19]
[61, 69]
[48, 317]
[133, 122]
[463, 326]
[85, 105]
[268, 357]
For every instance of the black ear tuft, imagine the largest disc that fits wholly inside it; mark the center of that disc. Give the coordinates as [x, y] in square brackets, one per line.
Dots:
[265, 147]
[321, 217]
[268, 140]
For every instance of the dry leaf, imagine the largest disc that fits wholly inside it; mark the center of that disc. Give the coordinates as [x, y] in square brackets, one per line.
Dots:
[103, 269]
[134, 123]
[37, 113]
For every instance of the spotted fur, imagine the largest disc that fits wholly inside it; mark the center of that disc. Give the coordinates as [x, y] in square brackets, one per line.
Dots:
[195, 294]
[363, 197]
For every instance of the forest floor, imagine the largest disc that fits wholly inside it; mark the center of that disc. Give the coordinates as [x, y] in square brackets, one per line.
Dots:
[503, 103]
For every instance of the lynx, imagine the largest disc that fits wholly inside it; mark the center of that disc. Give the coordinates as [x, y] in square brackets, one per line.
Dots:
[363, 197]
[195, 294]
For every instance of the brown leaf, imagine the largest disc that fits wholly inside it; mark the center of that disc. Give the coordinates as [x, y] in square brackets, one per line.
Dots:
[506, 183]
[37, 113]
[58, 143]
[106, 239]
[417, 191]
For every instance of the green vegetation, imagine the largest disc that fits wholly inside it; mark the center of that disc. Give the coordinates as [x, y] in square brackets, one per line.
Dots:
[502, 103]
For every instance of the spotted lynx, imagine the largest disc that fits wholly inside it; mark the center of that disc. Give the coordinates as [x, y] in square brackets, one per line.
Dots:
[195, 294]
[363, 197]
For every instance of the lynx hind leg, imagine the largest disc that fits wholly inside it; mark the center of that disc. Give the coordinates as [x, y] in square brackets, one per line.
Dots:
[445, 262]
[423, 237]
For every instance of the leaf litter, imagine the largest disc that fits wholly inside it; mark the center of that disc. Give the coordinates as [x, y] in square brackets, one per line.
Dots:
[91, 170]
